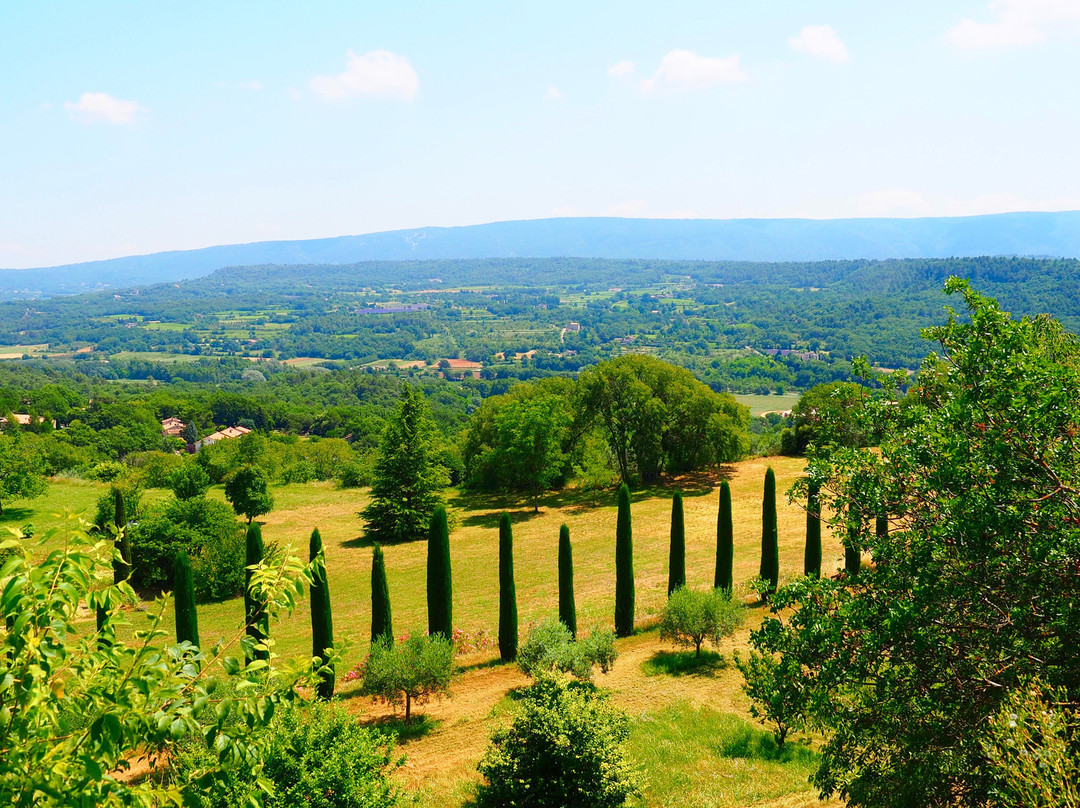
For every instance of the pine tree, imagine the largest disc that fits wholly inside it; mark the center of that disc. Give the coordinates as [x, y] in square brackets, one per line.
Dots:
[439, 586]
[677, 549]
[508, 614]
[725, 540]
[382, 627]
[187, 619]
[567, 609]
[407, 478]
[121, 569]
[770, 549]
[624, 567]
[258, 623]
[852, 550]
[322, 622]
[812, 556]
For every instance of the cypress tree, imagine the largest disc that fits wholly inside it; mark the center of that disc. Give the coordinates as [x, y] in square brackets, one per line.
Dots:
[381, 622]
[624, 567]
[105, 635]
[677, 550]
[881, 526]
[258, 623]
[770, 550]
[121, 569]
[812, 557]
[567, 610]
[187, 619]
[725, 540]
[439, 588]
[508, 614]
[852, 550]
[322, 622]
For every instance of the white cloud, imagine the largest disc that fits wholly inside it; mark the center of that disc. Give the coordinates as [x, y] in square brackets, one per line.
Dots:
[94, 107]
[686, 70]
[377, 73]
[623, 68]
[1015, 23]
[553, 94]
[821, 41]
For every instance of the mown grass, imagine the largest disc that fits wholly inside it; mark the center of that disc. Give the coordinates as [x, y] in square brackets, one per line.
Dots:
[701, 758]
[759, 405]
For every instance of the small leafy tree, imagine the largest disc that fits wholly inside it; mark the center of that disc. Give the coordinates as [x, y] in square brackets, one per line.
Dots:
[677, 549]
[567, 609]
[248, 491]
[189, 481]
[692, 616]
[725, 540]
[624, 567]
[21, 470]
[778, 690]
[549, 648]
[564, 747]
[418, 669]
[407, 478]
[322, 621]
[381, 618]
[508, 613]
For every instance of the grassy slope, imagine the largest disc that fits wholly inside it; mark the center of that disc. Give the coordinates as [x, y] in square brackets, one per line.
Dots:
[690, 732]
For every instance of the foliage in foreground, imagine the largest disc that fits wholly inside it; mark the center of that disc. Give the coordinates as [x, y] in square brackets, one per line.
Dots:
[78, 707]
[973, 591]
[316, 755]
[566, 746]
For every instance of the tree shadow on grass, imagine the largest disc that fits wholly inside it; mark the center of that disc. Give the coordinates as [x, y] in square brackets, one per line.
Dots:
[683, 663]
[416, 727]
[15, 517]
[749, 743]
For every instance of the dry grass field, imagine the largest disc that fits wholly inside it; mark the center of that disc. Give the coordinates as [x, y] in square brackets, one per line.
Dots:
[692, 734]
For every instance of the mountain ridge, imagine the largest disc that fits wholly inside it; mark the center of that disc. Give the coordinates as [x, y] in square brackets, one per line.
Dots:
[1052, 234]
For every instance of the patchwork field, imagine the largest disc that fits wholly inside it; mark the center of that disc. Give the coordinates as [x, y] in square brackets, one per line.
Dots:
[692, 734]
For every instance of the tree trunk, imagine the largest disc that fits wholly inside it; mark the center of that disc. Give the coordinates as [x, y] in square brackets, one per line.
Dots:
[697, 652]
[408, 707]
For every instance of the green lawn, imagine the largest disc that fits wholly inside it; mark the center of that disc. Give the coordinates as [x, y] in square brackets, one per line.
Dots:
[759, 405]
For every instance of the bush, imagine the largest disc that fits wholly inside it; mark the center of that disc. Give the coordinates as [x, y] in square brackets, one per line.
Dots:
[317, 756]
[551, 648]
[189, 481]
[692, 616]
[207, 531]
[106, 472]
[565, 747]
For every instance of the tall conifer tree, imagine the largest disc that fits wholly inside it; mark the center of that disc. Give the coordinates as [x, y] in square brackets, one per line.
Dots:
[624, 567]
[508, 613]
[187, 619]
[770, 548]
[322, 623]
[121, 570]
[567, 609]
[852, 549]
[725, 540]
[677, 549]
[258, 622]
[812, 555]
[382, 627]
[439, 585]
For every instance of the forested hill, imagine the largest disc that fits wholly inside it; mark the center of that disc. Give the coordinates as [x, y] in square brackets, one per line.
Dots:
[1026, 234]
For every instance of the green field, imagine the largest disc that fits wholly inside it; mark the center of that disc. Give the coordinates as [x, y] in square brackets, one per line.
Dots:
[691, 734]
[759, 405]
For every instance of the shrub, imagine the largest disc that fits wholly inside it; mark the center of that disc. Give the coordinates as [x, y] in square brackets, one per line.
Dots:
[564, 747]
[692, 616]
[550, 648]
[157, 467]
[189, 481]
[779, 692]
[207, 531]
[316, 755]
[107, 471]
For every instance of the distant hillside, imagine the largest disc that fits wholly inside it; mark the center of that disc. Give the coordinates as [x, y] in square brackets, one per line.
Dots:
[1030, 234]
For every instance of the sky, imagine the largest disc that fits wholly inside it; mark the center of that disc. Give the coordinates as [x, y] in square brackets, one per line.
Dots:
[137, 127]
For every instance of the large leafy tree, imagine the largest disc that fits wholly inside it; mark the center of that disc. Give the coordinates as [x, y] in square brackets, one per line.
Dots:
[531, 433]
[20, 470]
[408, 479]
[974, 590]
[248, 491]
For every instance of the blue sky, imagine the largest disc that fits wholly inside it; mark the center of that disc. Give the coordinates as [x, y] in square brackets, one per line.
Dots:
[145, 126]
